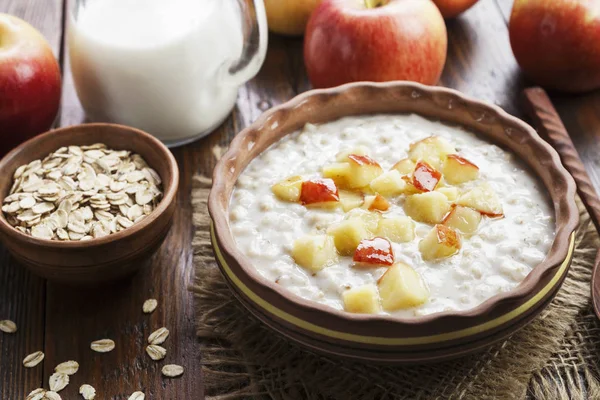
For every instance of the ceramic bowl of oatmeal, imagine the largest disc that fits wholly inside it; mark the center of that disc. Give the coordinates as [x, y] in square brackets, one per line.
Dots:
[393, 222]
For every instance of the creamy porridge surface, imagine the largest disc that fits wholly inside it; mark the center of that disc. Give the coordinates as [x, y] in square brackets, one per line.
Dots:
[494, 259]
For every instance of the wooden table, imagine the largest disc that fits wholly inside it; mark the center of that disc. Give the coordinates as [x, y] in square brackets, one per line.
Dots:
[63, 321]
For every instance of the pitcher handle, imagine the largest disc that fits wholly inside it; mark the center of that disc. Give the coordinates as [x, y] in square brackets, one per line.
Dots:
[255, 44]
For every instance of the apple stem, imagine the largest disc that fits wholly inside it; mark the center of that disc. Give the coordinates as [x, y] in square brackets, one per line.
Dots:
[374, 3]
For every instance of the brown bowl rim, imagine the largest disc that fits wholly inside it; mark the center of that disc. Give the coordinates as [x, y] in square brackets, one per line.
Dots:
[169, 192]
[554, 258]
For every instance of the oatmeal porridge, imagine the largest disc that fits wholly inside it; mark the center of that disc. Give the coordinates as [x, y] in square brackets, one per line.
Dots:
[391, 214]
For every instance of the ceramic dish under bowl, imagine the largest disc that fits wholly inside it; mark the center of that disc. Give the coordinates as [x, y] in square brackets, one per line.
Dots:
[103, 259]
[384, 338]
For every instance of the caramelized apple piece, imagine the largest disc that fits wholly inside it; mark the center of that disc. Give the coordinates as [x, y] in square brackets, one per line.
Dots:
[288, 189]
[458, 170]
[409, 189]
[425, 178]
[314, 252]
[363, 170]
[376, 203]
[483, 199]
[433, 150]
[430, 207]
[389, 183]
[440, 242]
[375, 252]
[348, 234]
[319, 192]
[397, 229]
[463, 219]
[363, 299]
[405, 166]
[350, 200]
[401, 287]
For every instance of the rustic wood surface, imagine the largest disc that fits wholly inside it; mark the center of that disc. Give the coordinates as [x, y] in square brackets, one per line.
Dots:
[62, 321]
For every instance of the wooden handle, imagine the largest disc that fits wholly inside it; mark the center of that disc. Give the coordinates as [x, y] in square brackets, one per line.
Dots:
[549, 125]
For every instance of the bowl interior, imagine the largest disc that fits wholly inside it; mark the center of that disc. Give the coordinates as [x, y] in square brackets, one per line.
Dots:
[445, 105]
[116, 137]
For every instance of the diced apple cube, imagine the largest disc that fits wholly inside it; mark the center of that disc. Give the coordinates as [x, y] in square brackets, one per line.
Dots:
[425, 178]
[458, 170]
[451, 193]
[429, 207]
[319, 193]
[401, 287]
[369, 219]
[389, 183]
[405, 166]
[363, 299]
[314, 252]
[409, 188]
[348, 234]
[339, 172]
[374, 252]
[483, 199]
[288, 189]
[376, 203]
[433, 150]
[440, 242]
[363, 170]
[342, 156]
[350, 200]
[463, 219]
[397, 229]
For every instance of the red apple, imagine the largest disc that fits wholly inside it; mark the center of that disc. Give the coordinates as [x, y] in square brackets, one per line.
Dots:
[376, 251]
[30, 82]
[451, 8]
[375, 40]
[425, 177]
[318, 191]
[557, 42]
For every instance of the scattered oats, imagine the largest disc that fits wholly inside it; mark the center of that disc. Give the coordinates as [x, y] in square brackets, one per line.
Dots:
[149, 306]
[58, 381]
[37, 394]
[137, 396]
[68, 367]
[7, 326]
[87, 391]
[103, 345]
[156, 352]
[33, 359]
[51, 395]
[172, 370]
[158, 336]
[101, 184]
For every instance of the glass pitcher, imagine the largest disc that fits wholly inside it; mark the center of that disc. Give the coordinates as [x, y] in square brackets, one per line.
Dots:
[171, 68]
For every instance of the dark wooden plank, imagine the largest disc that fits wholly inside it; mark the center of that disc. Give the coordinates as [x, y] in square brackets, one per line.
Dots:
[22, 295]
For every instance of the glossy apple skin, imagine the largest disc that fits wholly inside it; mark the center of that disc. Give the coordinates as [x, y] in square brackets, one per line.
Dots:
[318, 191]
[289, 17]
[402, 40]
[452, 8]
[425, 178]
[376, 251]
[30, 83]
[557, 42]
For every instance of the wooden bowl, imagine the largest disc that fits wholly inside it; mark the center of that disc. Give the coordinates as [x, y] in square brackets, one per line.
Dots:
[103, 259]
[384, 338]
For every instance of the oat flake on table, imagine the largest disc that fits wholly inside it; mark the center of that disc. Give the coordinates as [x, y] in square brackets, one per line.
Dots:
[81, 193]
[159, 336]
[149, 306]
[68, 367]
[156, 352]
[33, 359]
[7, 326]
[137, 396]
[37, 394]
[51, 395]
[103, 345]
[87, 391]
[172, 370]
[58, 381]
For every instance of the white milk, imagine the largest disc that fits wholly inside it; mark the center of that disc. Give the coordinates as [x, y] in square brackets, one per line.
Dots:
[154, 64]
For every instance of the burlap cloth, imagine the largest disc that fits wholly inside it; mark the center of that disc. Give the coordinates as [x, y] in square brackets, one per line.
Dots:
[556, 356]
